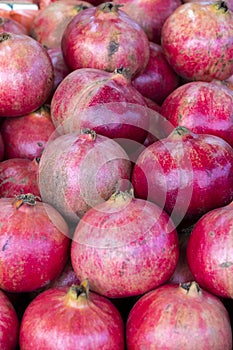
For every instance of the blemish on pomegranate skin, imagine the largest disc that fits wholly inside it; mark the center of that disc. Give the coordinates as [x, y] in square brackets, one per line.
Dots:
[226, 264]
[6, 244]
[113, 48]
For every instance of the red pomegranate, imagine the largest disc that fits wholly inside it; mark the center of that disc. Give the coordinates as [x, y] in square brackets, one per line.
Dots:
[34, 241]
[79, 170]
[49, 24]
[204, 108]
[99, 37]
[18, 176]
[26, 136]
[26, 74]
[71, 318]
[59, 67]
[150, 15]
[186, 173]
[125, 246]
[158, 79]
[210, 251]
[179, 316]
[9, 324]
[11, 26]
[104, 102]
[197, 41]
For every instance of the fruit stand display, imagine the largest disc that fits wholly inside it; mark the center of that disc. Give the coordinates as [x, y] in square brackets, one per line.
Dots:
[116, 175]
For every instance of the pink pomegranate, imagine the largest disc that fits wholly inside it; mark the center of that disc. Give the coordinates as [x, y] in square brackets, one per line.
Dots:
[71, 318]
[104, 102]
[99, 37]
[26, 74]
[125, 246]
[204, 108]
[187, 174]
[59, 66]
[158, 79]
[49, 24]
[210, 251]
[9, 324]
[197, 41]
[18, 176]
[34, 241]
[228, 2]
[150, 15]
[26, 136]
[80, 170]
[11, 26]
[179, 315]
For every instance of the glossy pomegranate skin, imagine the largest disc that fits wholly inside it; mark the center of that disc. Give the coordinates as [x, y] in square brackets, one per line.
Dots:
[187, 174]
[59, 66]
[18, 176]
[99, 37]
[26, 74]
[125, 247]
[9, 25]
[210, 251]
[173, 315]
[204, 108]
[34, 242]
[57, 320]
[197, 41]
[26, 136]
[150, 15]
[49, 24]
[104, 102]
[77, 171]
[9, 324]
[158, 79]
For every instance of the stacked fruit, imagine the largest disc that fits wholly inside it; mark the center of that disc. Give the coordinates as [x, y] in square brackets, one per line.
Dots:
[116, 175]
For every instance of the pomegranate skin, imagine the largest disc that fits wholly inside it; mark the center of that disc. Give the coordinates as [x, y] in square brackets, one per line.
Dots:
[9, 324]
[59, 66]
[34, 241]
[26, 136]
[2, 147]
[178, 317]
[26, 74]
[158, 79]
[204, 108]
[99, 37]
[197, 41]
[104, 102]
[210, 251]
[9, 25]
[125, 247]
[60, 319]
[18, 176]
[150, 15]
[77, 171]
[187, 174]
[49, 24]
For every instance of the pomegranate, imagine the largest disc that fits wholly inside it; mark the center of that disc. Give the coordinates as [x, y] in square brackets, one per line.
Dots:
[150, 15]
[125, 246]
[197, 41]
[18, 176]
[26, 136]
[26, 74]
[71, 318]
[99, 37]
[10, 25]
[104, 102]
[49, 24]
[186, 173]
[179, 316]
[59, 67]
[158, 79]
[34, 241]
[79, 170]
[228, 2]
[210, 251]
[9, 324]
[2, 147]
[204, 108]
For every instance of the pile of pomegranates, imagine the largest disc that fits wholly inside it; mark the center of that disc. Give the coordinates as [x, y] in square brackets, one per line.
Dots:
[116, 175]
